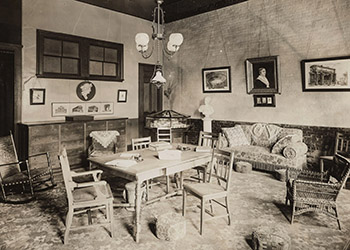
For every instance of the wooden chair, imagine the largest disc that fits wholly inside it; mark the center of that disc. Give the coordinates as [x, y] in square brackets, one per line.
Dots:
[341, 147]
[32, 174]
[85, 196]
[103, 143]
[164, 134]
[313, 191]
[210, 140]
[221, 168]
[141, 143]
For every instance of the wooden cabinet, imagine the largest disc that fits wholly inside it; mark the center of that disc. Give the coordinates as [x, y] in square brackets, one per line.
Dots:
[52, 136]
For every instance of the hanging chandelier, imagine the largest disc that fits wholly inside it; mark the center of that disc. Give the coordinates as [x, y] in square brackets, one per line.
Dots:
[158, 35]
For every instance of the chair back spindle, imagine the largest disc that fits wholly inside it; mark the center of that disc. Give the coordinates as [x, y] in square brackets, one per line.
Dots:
[140, 143]
[221, 167]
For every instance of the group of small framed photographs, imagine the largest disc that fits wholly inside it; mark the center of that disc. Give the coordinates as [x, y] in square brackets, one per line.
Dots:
[264, 101]
[81, 108]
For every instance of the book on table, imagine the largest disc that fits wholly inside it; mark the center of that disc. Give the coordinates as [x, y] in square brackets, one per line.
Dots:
[159, 145]
[203, 149]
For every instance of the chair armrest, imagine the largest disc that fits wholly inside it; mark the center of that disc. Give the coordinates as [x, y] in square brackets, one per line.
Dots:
[38, 154]
[90, 184]
[304, 174]
[324, 158]
[96, 174]
[12, 163]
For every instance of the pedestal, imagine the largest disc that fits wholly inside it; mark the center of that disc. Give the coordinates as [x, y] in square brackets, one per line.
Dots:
[207, 124]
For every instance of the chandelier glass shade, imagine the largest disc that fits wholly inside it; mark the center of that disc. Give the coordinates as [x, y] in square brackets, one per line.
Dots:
[158, 36]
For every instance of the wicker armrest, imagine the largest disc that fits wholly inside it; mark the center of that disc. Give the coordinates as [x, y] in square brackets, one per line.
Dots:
[305, 174]
[313, 189]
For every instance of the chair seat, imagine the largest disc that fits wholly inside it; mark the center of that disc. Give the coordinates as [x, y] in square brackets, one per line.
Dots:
[204, 189]
[89, 193]
[19, 177]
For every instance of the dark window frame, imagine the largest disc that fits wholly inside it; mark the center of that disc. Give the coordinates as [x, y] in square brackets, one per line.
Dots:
[84, 57]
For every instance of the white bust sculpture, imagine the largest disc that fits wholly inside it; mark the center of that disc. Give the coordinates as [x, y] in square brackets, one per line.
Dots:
[206, 109]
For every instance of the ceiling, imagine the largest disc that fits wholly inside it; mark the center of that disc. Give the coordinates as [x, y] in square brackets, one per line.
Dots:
[174, 9]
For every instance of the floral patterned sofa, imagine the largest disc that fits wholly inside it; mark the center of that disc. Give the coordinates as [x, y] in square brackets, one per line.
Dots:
[266, 146]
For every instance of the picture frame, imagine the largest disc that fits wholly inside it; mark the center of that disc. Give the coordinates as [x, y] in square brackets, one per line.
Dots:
[326, 74]
[264, 101]
[216, 80]
[37, 96]
[262, 75]
[81, 108]
[77, 108]
[59, 109]
[107, 108]
[122, 95]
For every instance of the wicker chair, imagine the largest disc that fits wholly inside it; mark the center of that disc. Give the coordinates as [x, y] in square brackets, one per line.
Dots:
[313, 191]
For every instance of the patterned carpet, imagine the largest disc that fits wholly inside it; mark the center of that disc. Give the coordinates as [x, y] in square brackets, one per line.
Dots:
[257, 198]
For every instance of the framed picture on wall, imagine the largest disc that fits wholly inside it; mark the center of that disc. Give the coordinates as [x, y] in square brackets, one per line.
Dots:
[59, 109]
[216, 80]
[122, 95]
[264, 101]
[107, 108]
[37, 96]
[93, 108]
[77, 108]
[262, 75]
[326, 74]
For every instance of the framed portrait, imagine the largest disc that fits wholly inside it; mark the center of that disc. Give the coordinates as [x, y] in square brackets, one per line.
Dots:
[86, 90]
[37, 96]
[59, 109]
[216, 80]
[262, 75]
[107, 108]
[326, 74]
[122, 95]
[264, 101]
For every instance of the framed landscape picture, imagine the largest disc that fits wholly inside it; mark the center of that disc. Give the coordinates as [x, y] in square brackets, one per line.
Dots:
[216, 80]
[262, 75]
[326, 74]
[60, 109]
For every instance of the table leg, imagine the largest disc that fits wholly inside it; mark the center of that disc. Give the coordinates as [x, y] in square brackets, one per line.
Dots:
[137, 228]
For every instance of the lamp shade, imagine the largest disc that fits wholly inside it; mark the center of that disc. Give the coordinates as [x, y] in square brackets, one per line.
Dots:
[158, 77]
[141, 40]
[176, 39]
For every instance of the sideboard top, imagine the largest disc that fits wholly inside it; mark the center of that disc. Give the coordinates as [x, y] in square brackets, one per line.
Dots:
[63, 122]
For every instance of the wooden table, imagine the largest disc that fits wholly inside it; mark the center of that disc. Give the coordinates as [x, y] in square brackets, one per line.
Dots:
[151, 167]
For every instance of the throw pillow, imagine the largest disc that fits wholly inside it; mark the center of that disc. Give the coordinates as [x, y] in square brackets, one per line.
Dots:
[235, 136]
[294, 150]
[283, 142]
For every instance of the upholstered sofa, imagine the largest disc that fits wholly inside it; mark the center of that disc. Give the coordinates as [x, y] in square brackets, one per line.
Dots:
[266, 146]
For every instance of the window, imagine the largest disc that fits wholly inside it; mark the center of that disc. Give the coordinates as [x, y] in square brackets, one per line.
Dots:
[66, 56]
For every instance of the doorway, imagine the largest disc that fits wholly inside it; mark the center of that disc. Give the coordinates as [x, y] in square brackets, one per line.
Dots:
[10, 88]
[150, 97]
[6, 92]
